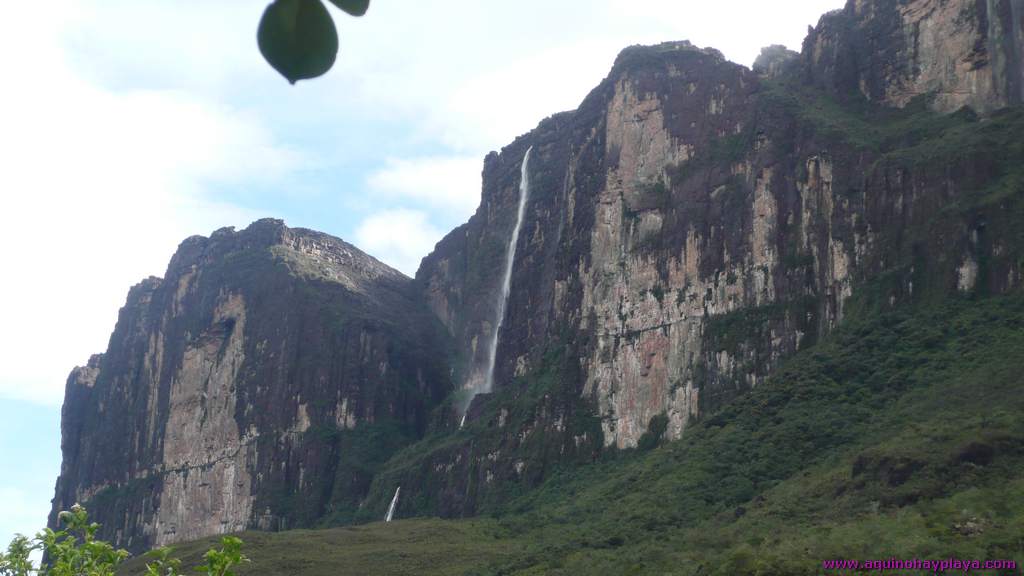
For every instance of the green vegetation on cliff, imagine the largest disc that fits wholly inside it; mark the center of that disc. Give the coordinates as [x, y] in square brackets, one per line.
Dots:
[915, 136]
[898, 434]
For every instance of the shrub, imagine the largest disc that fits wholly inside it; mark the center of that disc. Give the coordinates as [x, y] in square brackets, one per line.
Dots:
[75, 551]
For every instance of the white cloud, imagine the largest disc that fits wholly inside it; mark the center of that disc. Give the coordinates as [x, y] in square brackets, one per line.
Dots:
[737, 28]
[99, 187]
[399, 238]
[473, 76]
[447, 182]
[490, 109]
[206, 46]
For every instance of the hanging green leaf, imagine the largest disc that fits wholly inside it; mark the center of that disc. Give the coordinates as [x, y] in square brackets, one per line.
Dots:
[298, 38]
[353, 7]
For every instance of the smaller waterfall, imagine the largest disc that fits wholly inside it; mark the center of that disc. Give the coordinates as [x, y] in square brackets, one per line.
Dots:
[391, 508]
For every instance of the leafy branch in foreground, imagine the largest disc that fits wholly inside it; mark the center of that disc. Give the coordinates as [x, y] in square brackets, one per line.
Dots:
[218, 562]
[75, 551]
[163, 564]
[298, 37]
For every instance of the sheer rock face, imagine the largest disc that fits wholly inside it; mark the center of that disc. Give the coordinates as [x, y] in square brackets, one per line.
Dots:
[212, 409]
[599, 206]
[648, 216]
[690, 225]
[686, 232]
[965, 52]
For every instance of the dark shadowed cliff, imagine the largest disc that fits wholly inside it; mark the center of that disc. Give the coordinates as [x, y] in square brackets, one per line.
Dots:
[257, 384]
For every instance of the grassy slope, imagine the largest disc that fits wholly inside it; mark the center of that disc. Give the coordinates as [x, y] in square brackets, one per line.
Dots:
[898, 434]
[420, 547]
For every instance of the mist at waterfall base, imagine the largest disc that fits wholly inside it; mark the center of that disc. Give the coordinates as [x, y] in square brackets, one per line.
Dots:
[476, 386]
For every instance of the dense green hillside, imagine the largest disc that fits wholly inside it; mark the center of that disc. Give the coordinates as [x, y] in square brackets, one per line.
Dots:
[899, 434]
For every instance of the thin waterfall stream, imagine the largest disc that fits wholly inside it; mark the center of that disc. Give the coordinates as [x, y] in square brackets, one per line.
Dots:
[506, 284]
[391, 508]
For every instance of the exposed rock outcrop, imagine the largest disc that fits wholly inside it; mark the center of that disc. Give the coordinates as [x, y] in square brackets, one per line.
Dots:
[773, 60]
[961, 52]
[230, 387]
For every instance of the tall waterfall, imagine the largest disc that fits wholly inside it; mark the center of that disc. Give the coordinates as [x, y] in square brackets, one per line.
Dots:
[506, 280]
[391, 508]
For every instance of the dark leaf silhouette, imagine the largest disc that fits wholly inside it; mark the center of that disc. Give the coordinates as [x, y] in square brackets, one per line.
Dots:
[353, 7]
[298, 38]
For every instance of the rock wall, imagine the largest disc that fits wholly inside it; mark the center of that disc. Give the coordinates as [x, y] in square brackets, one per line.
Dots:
[224, 399]
[694, 222]
[655, 206]
[691, 225]
[963, 52]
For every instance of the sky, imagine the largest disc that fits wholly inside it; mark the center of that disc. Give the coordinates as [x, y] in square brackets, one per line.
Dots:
[127, 126]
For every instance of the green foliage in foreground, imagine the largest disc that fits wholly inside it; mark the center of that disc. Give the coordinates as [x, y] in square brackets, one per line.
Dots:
[72, 551]
[215, 562]
[898, 434]
[75, 551]
[298, 37]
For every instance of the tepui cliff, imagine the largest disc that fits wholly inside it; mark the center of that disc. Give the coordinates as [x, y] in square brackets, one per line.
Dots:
[690, 225]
